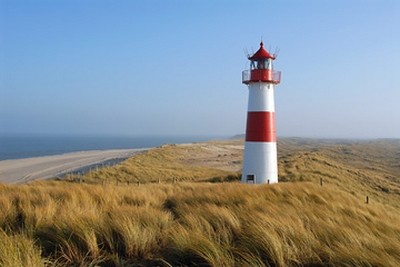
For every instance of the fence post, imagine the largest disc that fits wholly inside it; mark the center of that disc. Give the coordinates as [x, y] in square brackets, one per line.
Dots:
[366, 199]
[321, 181]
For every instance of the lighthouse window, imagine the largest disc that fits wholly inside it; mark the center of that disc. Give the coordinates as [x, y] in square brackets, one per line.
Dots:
[261, 64]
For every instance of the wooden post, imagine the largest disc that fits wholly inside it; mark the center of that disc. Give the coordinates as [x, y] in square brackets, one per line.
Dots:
[321, 181]
[366, 199]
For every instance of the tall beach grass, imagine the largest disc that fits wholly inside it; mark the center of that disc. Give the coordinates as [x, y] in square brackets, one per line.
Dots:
[194, 224]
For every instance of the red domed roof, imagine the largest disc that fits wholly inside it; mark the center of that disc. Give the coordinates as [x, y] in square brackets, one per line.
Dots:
[261, 54]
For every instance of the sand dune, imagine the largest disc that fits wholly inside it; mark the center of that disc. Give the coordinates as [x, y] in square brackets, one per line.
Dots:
[24, 170]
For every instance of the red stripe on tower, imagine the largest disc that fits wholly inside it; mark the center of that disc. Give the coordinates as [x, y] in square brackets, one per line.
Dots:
[260, 126]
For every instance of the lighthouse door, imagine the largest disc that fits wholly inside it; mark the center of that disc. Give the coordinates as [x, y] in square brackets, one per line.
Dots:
[251, 179]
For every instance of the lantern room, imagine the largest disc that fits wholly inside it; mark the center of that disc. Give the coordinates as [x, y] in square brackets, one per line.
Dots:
[261, 68]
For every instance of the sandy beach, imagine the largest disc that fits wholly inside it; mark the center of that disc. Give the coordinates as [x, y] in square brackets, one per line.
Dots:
[28, 169]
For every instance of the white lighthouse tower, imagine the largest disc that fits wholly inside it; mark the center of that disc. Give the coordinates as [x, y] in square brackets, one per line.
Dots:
[260, 163]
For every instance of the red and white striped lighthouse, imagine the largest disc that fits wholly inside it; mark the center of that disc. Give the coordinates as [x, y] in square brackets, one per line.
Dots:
[260, 163]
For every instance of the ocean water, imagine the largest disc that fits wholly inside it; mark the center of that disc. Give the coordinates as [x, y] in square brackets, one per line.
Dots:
[16, 147]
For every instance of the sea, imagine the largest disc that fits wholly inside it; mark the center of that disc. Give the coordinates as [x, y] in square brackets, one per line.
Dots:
[28, 146]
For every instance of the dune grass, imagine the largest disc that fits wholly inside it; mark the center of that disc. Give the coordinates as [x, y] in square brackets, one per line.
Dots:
[361, 168]
[108, 220]
[194, 224]
[164, 164]
[18, 250]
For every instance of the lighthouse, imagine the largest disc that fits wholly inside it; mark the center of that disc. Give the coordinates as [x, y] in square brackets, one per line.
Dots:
[260, 165]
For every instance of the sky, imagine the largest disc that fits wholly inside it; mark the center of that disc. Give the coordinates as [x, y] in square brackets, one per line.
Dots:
[98, 67]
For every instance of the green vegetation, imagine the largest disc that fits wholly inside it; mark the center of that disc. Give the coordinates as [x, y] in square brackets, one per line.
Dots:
[109, 220]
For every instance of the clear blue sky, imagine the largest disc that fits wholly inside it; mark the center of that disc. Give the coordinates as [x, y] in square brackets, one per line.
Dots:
[174, 67]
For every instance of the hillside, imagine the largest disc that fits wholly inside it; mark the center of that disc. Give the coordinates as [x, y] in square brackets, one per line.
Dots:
[168, 163]
[177, 218]
[362, 168]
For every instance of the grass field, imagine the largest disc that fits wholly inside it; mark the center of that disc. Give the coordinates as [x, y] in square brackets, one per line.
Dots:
[195, 162]
[194, 224]
[362, 168]
[106, 222]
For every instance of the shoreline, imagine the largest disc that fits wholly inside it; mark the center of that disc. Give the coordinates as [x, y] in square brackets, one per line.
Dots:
[24, 170]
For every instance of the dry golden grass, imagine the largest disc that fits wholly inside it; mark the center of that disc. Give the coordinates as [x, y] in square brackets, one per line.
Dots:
[362, 168]
[198, 162]
[57, 223]
[194, 224]
[18, 250]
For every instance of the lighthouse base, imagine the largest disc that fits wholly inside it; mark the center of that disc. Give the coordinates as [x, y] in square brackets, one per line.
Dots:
[260, 164]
